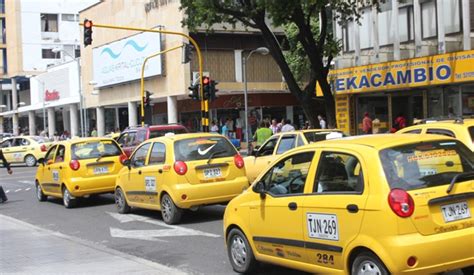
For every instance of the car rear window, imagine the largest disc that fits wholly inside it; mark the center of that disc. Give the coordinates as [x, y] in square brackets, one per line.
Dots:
[320, 136]
[425, 164]
[203, 148]
[94, 149]
[160, 133]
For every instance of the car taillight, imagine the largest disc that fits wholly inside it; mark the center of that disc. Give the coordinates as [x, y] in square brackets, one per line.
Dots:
[43, 148]
[74, 164]
[239, 161]
[401, 203]
[123, 158]
[180, 167]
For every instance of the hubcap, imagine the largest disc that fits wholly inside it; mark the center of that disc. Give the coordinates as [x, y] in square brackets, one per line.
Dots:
[166, 208]
[368, 268]
[30, 161]
[66, 197]
[238, 251]
[119, 199]
[38, 191]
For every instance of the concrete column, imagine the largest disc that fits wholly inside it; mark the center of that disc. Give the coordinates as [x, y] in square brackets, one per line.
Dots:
[289, 113]
[375, 32]
[172, 103]
[32, 123]
[100, 121]
[132, 114]
[117, 121]
[51, 122]
[238, 65]
[74, 121]
[15, 119]
[441, 33]
[66, 120]
[396, 31]
[357, 43]
[466, 25]
[417, 23]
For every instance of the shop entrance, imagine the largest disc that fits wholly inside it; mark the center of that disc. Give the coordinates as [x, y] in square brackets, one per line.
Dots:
[408, 106]
[377, 108]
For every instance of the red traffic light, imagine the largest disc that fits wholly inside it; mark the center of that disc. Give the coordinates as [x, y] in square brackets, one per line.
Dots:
[205, 80]
[87, 24]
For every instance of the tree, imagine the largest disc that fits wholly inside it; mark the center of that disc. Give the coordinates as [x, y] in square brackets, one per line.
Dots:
[307, 25]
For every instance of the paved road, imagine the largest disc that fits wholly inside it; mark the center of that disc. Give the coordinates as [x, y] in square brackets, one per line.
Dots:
[199, 250]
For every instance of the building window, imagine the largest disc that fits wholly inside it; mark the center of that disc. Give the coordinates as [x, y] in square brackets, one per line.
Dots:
[77, 53]
[429, 20]
[366, 33]
[348, 36]
[49, 54]
[69, 17]
[452, 16]
[49, 22]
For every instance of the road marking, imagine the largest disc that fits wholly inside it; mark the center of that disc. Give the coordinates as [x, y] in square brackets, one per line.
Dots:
[26, 182]
[8, 191]
[152, 235]
[27, 189]
[17, 190]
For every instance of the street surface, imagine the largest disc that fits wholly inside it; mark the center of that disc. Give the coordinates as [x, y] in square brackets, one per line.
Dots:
[195, 246]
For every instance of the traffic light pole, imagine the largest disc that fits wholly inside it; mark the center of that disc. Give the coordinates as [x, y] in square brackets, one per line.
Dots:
[204, 103]
[142, 80]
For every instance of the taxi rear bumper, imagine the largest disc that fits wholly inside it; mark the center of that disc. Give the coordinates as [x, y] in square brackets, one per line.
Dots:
[79, 187]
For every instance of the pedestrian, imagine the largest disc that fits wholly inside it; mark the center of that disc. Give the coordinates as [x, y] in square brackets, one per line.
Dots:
[224, 130]
[94, 132]
[322, 122]
[287, 127]
[307, 125]
[274, 127]
[43, 133]
[253, 121]
[214, 127]
[3, 196]
[400, 122]
[263, 133]
[56, 136]
[238, 128]
[367, 124]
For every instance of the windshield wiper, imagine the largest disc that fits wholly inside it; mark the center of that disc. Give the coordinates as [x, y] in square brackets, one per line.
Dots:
[213, 154]
[104, 155]
[458, 176]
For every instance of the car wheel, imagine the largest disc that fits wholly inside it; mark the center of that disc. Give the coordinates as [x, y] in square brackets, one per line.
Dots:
[239, 252]
[368, 263]
[39, 193]
[68, 200]
[169, 211]
[30, 160]
[468, 270]
[121, 202]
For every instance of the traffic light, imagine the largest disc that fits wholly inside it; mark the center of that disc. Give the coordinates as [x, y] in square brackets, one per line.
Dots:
[194, 92]
[213, 90]
[146, 99]
[206, 81]
[87, 32]
[186, 53]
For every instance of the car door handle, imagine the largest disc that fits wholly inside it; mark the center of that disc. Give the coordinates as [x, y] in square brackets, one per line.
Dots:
[60, 167]
[139, 172]
[160, 171]
[292, 206]
[352, 208]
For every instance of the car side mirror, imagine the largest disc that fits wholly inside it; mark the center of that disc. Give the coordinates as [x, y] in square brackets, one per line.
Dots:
[41, 160]
[259, 188]
[127, 163]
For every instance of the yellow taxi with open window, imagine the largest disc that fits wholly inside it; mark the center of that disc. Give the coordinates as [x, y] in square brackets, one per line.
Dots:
[25, 149]
[79, 168]
[381, 204]
[177, 172]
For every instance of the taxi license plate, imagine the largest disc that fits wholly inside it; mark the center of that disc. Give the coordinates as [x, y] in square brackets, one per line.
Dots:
[101, 170]
[212, 173]
[455, 211]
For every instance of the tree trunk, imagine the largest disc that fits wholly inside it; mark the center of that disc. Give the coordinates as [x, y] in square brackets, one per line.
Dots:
[310, 110]
[329, 101]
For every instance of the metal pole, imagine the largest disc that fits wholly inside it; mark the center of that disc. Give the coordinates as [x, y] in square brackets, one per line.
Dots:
[247, 136]
[78, 61]
[44, 108]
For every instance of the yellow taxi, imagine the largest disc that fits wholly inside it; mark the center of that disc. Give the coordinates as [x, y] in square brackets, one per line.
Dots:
[79, 168]
[359, 205]
[282, 142]
[177, 172]
[461, 129]
[24, 149]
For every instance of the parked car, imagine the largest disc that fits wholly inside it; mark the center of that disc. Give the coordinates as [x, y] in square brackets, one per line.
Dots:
[379, 204]
[178, 172]
[79, 168]
[282, 142]
[5, 135]
[25, 149]
[131, 137]
[460, 128]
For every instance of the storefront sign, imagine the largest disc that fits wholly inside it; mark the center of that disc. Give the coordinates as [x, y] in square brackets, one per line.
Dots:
[51, 95]
[342, 111]
[409, 73]
[121, 61]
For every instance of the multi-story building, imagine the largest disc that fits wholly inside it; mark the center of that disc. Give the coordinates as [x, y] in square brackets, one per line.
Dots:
[112, 65]
[31, 29]
[411, 57]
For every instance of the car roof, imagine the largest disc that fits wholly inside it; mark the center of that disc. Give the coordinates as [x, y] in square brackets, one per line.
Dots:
[379, 141]
[185, 136]
[166, 126]
[78, 140]
[309, 131]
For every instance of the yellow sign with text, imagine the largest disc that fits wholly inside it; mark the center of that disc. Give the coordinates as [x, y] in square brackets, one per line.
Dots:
[409, 73]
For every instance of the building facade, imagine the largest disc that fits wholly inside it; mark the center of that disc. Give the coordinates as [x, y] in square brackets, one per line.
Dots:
[30, 32]
[111, 70]
[412, 58]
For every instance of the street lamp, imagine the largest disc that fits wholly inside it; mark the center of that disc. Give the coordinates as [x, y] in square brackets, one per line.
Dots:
[262, 51]
[83, 115]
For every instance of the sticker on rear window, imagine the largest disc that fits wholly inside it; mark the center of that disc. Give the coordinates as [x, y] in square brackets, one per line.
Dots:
[150, 184]
[322, 226]
[202, 141]
[431, 154]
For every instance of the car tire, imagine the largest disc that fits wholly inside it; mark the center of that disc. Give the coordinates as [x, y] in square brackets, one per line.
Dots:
[39, 193]
[468, 270]
[30, 160]
[121, 201]
[368, 262]
[240, 253]
[68, 201]
[169, 211]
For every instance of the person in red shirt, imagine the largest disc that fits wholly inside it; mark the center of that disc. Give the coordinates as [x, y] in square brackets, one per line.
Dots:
[367, 124]
[400, 122]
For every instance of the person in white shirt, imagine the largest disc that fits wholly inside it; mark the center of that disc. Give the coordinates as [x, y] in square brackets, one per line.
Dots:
[287, 127]
[274, 126]
[322, 122]
[214, 127]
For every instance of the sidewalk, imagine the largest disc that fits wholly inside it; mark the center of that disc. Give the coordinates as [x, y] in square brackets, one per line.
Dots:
[25, 248]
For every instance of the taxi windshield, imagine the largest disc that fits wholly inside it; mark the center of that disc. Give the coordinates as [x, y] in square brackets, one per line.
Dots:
[94, 149]
[425, 164]
[203, 148]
